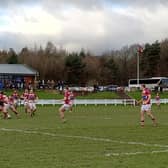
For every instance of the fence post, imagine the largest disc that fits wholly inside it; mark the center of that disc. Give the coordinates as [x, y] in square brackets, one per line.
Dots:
[125, 103]
[134, 102]
[85, 102]
[53, 103]
[105, 102]
[95, 102]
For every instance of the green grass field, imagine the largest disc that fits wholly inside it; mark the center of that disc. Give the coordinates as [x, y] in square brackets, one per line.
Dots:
[92, 137]
[42, 94]
[53, 94]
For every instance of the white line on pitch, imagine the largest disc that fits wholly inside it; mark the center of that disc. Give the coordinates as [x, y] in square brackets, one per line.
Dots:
[136, 153]
[83, 137]
[107, 118]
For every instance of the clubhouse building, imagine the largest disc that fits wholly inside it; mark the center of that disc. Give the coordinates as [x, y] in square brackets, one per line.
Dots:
[17, 76]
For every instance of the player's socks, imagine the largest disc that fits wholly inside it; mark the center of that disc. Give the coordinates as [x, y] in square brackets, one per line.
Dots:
[142, 123]
[154, 122]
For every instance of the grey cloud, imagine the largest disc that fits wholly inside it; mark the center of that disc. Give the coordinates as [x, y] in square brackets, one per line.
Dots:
[30, 19]
[57, 7]
[138, 2]
[11, 40]
[53, 4]
[8, 3]
[118, 32]
[86, 4]
[119, 29]
[91, 4]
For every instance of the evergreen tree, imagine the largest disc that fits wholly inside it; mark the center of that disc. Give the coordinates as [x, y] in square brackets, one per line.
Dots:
[13, 58]
[150, 60]
[111, 71]
[74, 67]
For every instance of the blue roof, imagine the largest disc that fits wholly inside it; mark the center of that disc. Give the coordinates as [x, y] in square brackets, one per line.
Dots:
[19, 69]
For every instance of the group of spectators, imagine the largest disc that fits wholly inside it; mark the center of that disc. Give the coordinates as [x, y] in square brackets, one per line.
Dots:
[50, 84]
[14, 84]
[38, 84]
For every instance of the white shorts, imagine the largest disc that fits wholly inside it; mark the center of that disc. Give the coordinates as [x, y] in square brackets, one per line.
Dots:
[157, 101]
[66, 106]
[32, 105]
[25, 103]
[71, 102]
[6, 106]
[146, 107]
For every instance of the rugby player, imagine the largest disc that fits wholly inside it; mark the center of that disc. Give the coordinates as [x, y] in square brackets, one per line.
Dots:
[66, 105]
[146, 106]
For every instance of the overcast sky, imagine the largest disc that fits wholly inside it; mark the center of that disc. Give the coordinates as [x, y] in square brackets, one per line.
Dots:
[95, 25]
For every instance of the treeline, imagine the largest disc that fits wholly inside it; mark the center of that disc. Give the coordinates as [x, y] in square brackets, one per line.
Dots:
[85, 68]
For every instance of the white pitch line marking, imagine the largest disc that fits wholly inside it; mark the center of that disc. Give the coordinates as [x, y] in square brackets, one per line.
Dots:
[83, 137]
[136, 153]
[107, 118]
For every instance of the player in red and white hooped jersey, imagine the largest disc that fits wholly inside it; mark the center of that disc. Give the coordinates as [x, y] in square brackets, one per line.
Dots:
[24, 97]
[16, 97]
[72, 99]
[10, 105]
[3, 105]
[66, 105]
[146, 105]
[32, 98]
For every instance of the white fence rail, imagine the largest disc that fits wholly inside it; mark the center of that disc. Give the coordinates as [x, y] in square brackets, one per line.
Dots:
[96, 102]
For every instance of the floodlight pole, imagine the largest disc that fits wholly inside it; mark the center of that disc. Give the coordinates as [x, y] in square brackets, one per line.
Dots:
[138, 68]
